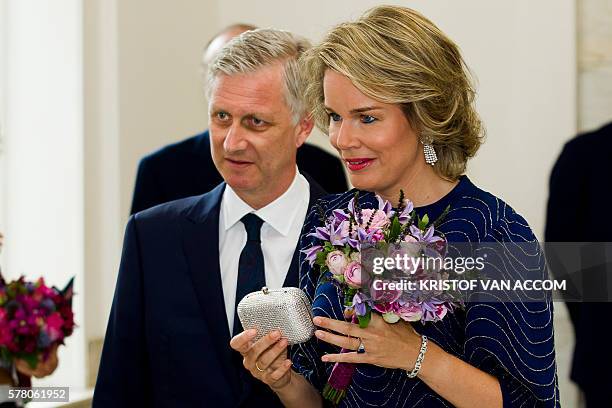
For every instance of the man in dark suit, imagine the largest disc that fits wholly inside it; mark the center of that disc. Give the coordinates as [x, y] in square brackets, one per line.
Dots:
[578, 211]
[186, 168]
[187, 263]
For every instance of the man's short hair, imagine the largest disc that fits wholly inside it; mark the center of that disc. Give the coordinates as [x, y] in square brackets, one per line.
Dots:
[256, 49]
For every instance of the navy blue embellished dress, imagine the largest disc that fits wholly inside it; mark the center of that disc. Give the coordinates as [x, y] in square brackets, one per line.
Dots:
[512, 341]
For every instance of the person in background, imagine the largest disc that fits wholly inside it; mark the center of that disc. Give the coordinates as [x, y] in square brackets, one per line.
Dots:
[186, 264]
[579, 199]
[186, 168]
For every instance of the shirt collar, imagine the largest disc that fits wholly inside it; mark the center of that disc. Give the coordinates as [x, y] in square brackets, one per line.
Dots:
[279, 214]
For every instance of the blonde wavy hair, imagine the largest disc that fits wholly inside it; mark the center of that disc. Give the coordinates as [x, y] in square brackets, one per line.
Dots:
[395, 55]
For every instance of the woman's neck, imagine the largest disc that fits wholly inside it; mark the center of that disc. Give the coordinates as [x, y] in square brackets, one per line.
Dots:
[423, 187]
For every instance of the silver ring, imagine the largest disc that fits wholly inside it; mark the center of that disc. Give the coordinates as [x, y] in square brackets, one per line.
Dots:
[258, 369]
[361, 349]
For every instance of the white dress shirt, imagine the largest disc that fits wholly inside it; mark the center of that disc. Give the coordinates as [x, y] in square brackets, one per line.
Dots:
[283, 220]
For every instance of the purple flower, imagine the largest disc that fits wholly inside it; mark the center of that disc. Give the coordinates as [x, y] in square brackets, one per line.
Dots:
[405, 214]
[351, 205]
[427, 236]
[311, 257]
[321, 233]
[340, 215]
[385, 206]
[337, 236]
[359, 303]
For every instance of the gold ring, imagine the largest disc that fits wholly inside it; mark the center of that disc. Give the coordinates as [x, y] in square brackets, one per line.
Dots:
[257, 367]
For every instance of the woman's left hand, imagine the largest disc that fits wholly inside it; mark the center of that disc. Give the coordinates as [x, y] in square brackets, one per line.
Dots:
[386, 345]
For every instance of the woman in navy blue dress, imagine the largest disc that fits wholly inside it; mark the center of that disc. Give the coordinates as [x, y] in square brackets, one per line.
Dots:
[394, 95]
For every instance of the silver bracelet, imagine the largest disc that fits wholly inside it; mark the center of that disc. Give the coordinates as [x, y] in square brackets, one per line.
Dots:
[419, 360]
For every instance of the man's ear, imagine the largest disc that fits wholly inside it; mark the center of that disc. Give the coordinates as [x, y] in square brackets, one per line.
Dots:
[303, 129]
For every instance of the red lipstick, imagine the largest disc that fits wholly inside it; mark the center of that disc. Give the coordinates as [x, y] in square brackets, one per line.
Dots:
[358, 163]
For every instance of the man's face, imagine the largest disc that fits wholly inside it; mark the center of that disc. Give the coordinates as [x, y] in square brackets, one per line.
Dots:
[253, 138]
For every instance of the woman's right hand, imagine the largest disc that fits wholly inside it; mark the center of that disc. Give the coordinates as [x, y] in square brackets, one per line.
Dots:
[266, 359]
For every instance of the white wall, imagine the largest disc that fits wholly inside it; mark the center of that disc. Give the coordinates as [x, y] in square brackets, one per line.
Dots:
[2, 120]
[160, 96]
[594, 63]
[44, 168]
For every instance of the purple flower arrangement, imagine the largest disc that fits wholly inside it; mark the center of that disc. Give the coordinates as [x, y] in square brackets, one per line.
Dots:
[346, 236]
[33, 319]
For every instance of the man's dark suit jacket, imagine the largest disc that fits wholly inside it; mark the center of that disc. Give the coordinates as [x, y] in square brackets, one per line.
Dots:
[167, 341]
[186, 168]
[579, 204]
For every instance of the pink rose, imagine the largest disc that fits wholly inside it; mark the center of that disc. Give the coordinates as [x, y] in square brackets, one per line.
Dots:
[336, 262]
[379, 219]
[410, 312]
[352, 275]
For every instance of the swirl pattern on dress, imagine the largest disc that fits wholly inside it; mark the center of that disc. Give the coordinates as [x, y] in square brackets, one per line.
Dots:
[511, 340]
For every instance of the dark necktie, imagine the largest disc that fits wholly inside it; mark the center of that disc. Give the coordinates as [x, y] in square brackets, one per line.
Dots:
[251, 275]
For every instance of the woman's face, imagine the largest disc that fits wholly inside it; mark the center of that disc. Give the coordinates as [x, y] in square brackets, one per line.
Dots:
[375, 140]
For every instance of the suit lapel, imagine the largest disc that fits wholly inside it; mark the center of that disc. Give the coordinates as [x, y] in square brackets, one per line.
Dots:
[201, 248]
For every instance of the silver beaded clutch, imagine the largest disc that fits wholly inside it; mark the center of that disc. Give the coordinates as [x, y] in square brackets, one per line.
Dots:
[284, 309]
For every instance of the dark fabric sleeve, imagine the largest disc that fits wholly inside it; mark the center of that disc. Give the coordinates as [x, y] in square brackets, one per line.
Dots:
[304, 356]
[564, 207]
[512, 338]
[124, 377]
[147, 193]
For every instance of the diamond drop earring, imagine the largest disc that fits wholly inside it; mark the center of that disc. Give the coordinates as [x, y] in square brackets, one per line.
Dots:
[430, 153]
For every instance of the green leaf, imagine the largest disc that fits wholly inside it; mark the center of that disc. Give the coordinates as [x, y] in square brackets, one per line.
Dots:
[394, 230]
[5, 355]
[321, 258]
[31, 359]
[365, 319]
[423, 222]
[442, 216]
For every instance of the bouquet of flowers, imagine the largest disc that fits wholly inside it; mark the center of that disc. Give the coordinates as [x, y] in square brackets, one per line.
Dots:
[349, 238]
[33, 319]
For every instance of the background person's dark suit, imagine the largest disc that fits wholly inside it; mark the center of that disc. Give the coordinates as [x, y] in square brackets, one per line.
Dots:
[186, 169]
[579, 209]
[167, 341]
